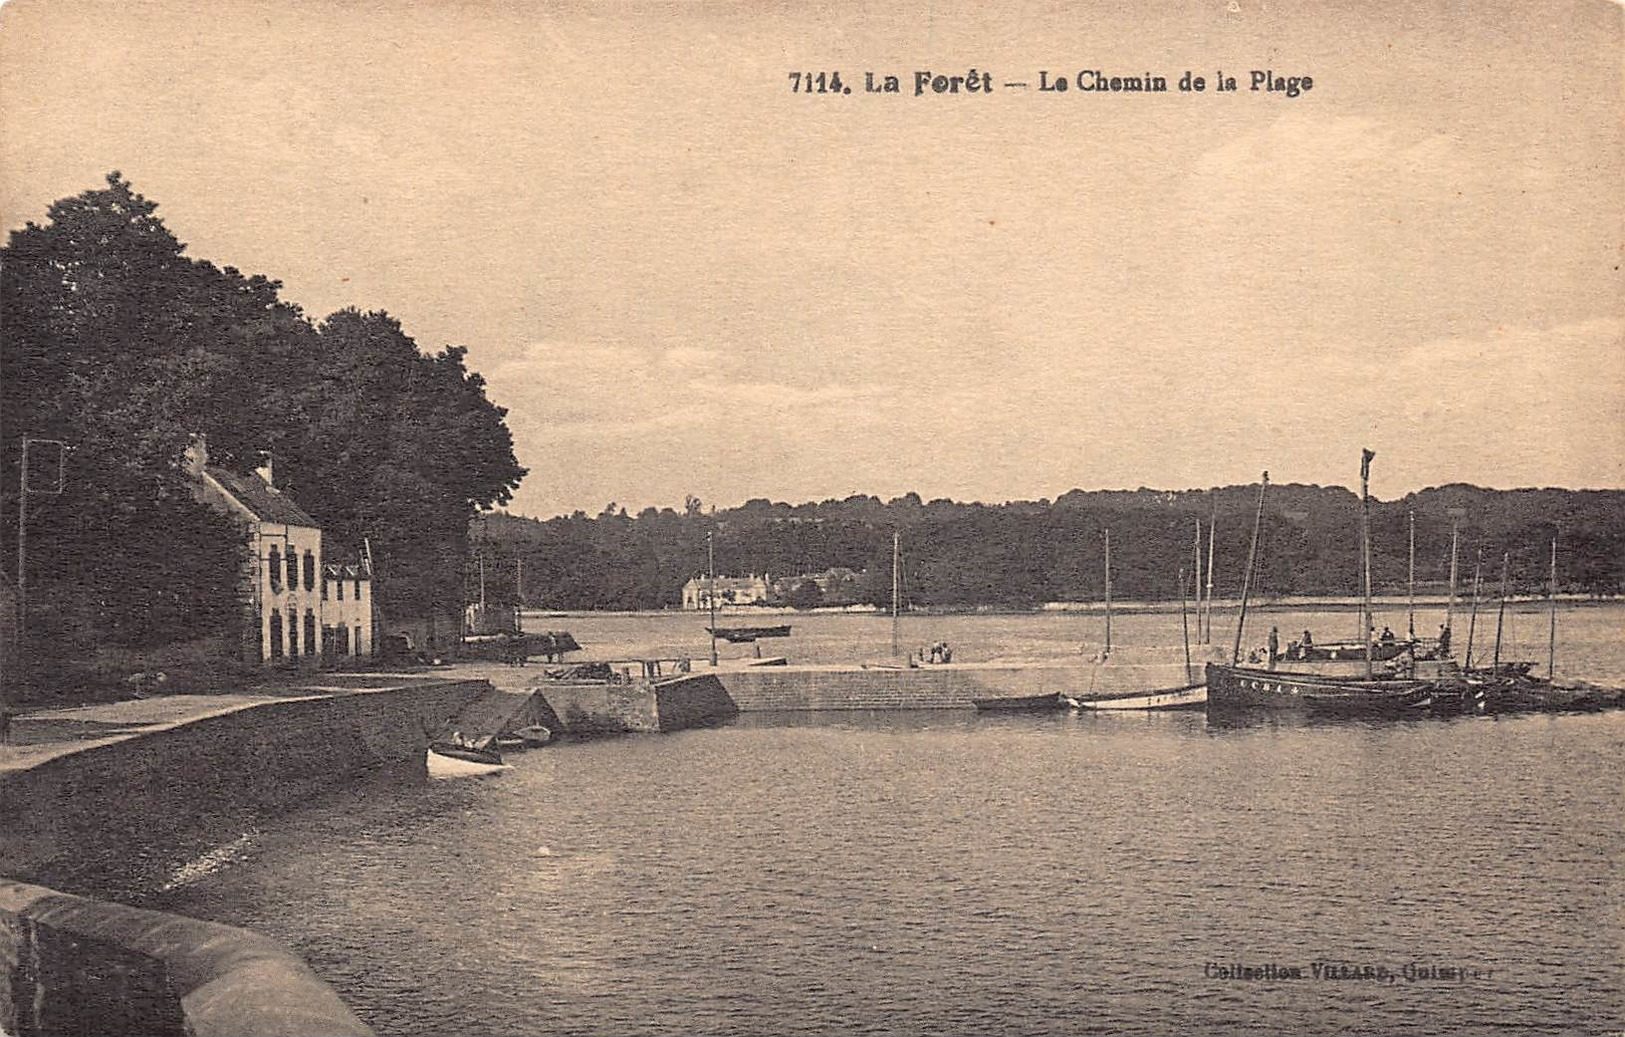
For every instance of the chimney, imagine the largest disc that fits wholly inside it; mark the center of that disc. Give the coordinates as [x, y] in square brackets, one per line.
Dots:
[264, 471]
[196, 457]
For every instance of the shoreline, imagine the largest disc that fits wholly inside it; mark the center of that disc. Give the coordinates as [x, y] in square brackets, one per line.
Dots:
[1384, 603]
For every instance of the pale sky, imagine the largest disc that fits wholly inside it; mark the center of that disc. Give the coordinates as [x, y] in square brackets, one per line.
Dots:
[681, 278]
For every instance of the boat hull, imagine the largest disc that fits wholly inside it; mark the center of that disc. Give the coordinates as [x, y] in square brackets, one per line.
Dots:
[1023, 703]
[1235, 687]
[450, 761]
[1193, 696]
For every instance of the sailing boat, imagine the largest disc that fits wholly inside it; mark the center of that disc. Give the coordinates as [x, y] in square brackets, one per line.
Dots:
[1186, 696]
[1235, 686]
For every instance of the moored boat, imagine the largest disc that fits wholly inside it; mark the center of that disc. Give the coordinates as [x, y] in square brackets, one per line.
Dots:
[746, 635]
[1243, 687]
[1192, 696]
[1025, 703]
[452, 760]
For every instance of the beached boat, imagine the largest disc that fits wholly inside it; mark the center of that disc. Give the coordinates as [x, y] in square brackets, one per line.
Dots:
[1192, 696]
[1026, 703]
[452, 760]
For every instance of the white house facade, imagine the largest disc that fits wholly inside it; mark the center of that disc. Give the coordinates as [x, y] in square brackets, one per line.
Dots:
[731, 590]
[300, 609]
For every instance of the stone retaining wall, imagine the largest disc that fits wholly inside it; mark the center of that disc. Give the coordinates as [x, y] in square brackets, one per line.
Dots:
[83, 820]
[69, 965]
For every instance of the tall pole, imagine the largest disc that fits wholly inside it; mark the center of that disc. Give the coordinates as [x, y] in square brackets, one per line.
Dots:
[1500, 614]
[711, 592]
[1247, 577]
[896, 549]
[1196, 584]
[1365, 557]
[519, 579]
[1108, 591]
[1551, 598]
[22, 543]
[1450, 602]
[1184, 623]
[1410, 583]
[1212, 535]
[1472, 617]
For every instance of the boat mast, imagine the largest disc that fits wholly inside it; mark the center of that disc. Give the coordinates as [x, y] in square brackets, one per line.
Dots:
[711, 592]
[1247, 577]
[1212, 535]
[1197, 583]
[1365, 556]
[1551, 599]
[1450, 602]
[1410, 583]
[1500, 614]
[1472, 618]
[896, 539]
[1108, 590]
[1184, 623]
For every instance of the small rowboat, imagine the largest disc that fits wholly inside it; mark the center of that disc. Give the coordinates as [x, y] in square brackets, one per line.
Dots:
[1025, 703]
[532, 736]
[450, 760]
[1192, 696]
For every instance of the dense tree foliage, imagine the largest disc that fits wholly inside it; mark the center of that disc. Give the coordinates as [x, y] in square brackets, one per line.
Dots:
[1020, 554]
[120, 346]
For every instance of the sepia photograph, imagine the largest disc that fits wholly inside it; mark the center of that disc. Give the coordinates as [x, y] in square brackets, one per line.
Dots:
[644, 518]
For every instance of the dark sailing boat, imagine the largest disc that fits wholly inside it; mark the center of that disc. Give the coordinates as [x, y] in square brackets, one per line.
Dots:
[1241, 687]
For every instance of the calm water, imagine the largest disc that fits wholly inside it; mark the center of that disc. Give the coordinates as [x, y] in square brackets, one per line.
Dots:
[949, 873]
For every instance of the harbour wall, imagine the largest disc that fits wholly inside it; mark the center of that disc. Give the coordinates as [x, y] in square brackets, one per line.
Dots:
[950, 686]
[599, 707]
[84, 819]
[70, 965]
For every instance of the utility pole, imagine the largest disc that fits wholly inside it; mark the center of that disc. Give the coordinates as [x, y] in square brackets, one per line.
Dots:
[896, 549]
[1551, 600]
[24, 488]
[711, 593]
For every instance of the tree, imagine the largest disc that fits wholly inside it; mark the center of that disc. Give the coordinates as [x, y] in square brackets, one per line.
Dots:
[806, 594]
[108, 335]
[120, 345]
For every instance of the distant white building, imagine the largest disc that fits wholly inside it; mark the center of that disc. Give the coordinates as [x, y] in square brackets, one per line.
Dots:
[731, 590]
[299, 609]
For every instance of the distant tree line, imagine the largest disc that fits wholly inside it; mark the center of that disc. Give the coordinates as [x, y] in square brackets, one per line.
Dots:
[1024, 553]
[120, 346]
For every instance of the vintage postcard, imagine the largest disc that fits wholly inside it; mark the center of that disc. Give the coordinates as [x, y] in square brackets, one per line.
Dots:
[915, 518]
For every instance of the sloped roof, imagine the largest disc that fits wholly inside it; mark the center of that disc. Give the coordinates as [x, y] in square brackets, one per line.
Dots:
[266, 504]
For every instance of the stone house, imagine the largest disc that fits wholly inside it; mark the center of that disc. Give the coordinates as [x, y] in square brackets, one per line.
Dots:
[300, 608]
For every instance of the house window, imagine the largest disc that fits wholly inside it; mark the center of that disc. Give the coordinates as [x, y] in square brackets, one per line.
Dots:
[341, 639]
[293, 635]
[310, 632]
[358, 588]
[310, 571]
[276, 634]
[340, 582]
[276, 568]
[357, 641]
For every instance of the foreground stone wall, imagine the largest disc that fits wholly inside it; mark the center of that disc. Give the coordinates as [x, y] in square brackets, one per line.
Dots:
[87, 821]
[69, 965]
